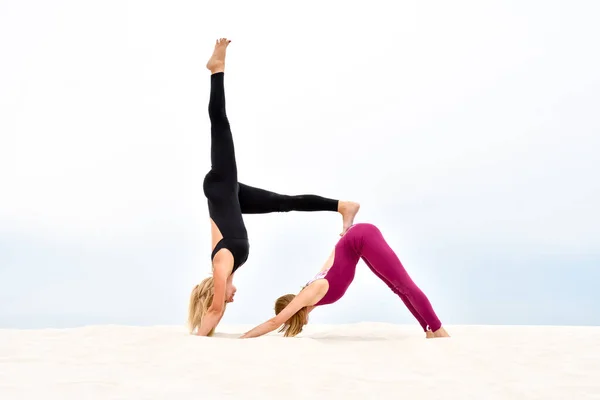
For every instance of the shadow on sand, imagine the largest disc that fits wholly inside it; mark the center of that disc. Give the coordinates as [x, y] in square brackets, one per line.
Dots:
[347, 338]
[325, 337]
[222, 335]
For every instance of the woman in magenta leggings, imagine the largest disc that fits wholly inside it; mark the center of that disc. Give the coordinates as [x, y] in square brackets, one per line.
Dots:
[329, 285]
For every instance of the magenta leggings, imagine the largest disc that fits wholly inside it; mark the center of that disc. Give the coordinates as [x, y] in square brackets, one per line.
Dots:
[382, 260]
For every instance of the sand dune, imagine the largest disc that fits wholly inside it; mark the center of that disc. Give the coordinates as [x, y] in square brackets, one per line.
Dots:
[327, 362]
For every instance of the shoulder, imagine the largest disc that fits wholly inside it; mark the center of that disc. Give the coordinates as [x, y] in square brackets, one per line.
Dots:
[315, 291]
[319, 284]
[223, 263]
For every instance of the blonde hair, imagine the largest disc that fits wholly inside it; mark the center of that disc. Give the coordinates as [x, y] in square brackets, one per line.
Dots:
[200, 301]
[293, 326]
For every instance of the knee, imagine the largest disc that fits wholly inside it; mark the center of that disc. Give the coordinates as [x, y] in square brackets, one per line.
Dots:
[285, 203]
[217, 115]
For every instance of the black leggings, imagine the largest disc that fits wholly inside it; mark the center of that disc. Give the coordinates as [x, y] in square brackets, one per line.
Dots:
[227, 198]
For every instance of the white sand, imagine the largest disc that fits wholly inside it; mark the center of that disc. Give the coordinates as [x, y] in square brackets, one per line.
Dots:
[359, 361]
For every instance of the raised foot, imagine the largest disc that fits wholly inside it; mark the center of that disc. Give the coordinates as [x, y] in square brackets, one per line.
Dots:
[429, 334]
[348, 209]
[216, 63]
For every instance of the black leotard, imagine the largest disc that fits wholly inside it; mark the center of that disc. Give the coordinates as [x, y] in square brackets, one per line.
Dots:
[227, 198]
[220, 184]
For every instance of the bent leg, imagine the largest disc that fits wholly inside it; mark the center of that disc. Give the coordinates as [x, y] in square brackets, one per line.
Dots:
[259, 201]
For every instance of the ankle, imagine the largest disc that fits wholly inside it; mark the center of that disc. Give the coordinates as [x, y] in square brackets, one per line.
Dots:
[441, 332]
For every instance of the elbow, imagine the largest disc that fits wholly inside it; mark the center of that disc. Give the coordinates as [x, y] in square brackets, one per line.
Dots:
[273, 324]
[216, 309]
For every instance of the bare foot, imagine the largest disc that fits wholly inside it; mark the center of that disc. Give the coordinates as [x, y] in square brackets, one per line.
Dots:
[440, 333]
[348, 209]
[429, 334]
[216, 63]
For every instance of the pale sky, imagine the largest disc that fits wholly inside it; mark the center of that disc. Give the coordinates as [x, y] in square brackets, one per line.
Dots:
[467, 130]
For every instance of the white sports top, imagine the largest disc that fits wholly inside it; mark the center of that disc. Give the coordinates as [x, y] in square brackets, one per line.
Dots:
[320, 275]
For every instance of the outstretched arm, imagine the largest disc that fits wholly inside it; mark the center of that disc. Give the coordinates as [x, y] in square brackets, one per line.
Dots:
[222, 269]
[262, 329]
[306, 297]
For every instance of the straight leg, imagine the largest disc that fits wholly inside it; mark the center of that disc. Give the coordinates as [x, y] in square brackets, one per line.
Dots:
[259, 201]
[222, 151]
[384, 262]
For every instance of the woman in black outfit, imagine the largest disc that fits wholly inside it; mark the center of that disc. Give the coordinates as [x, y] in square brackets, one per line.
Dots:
[228, 199]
